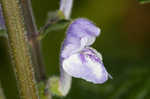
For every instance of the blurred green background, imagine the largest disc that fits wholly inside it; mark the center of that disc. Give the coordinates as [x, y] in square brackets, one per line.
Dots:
[124, 44]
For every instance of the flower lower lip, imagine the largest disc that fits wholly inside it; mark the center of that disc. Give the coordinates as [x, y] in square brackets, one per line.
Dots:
[86, 66]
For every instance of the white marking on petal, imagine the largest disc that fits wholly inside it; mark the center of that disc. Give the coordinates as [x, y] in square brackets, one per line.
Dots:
[90, 70]
[97, 69]
[86, 41]
[69, 50]
[73, 65]
[65, 83]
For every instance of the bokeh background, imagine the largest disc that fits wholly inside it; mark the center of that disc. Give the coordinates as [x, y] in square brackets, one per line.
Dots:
[124, 44]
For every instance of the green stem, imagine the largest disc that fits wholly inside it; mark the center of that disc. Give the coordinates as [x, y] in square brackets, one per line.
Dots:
[19, 49]
[35, 44]
[1, 93]
[35, 48]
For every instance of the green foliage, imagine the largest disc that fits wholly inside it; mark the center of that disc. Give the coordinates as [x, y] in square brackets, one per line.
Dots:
[3, 33]
[144, 1]
[54, 86]
[41, 88]
[131, 83]
[59, 24]
[56, 21]
[1, 93]
[56, 15]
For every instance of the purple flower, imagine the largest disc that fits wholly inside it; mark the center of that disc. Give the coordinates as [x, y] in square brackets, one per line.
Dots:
[78, 59]
[2, 23]
[65, 7]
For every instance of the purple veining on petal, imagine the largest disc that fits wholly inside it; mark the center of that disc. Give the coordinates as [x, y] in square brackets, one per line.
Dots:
[81, 66]
[2, 23]
[82, 57]
[93, 57]
[90, 53]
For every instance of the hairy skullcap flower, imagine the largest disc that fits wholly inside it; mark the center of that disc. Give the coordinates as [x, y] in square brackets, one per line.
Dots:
[78, 59]
[2, 23]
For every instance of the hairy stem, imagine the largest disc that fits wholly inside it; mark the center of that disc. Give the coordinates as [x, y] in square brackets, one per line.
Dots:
[19, 49]
[35, 47]
[2, 96]
[35, 44]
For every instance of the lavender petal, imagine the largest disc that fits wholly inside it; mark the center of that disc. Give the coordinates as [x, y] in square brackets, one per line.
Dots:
[65, 7]
[82, 27]
[86, 65]
[80, 34]
[2, 22]
[78, 59]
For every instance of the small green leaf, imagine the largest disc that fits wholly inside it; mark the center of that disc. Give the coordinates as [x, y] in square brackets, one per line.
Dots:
[60, 24]
[55, 21]
[144, 1]
[54, 86]
[3, 33]
[43, 92]
[56, 14]
[60, 14]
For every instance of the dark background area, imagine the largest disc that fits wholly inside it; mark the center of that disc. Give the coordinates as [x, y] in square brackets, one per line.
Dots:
[124, 44]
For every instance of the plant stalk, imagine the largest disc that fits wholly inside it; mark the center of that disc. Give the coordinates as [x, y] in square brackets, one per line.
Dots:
[35, 44]
[2, 96]
[19, 49]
